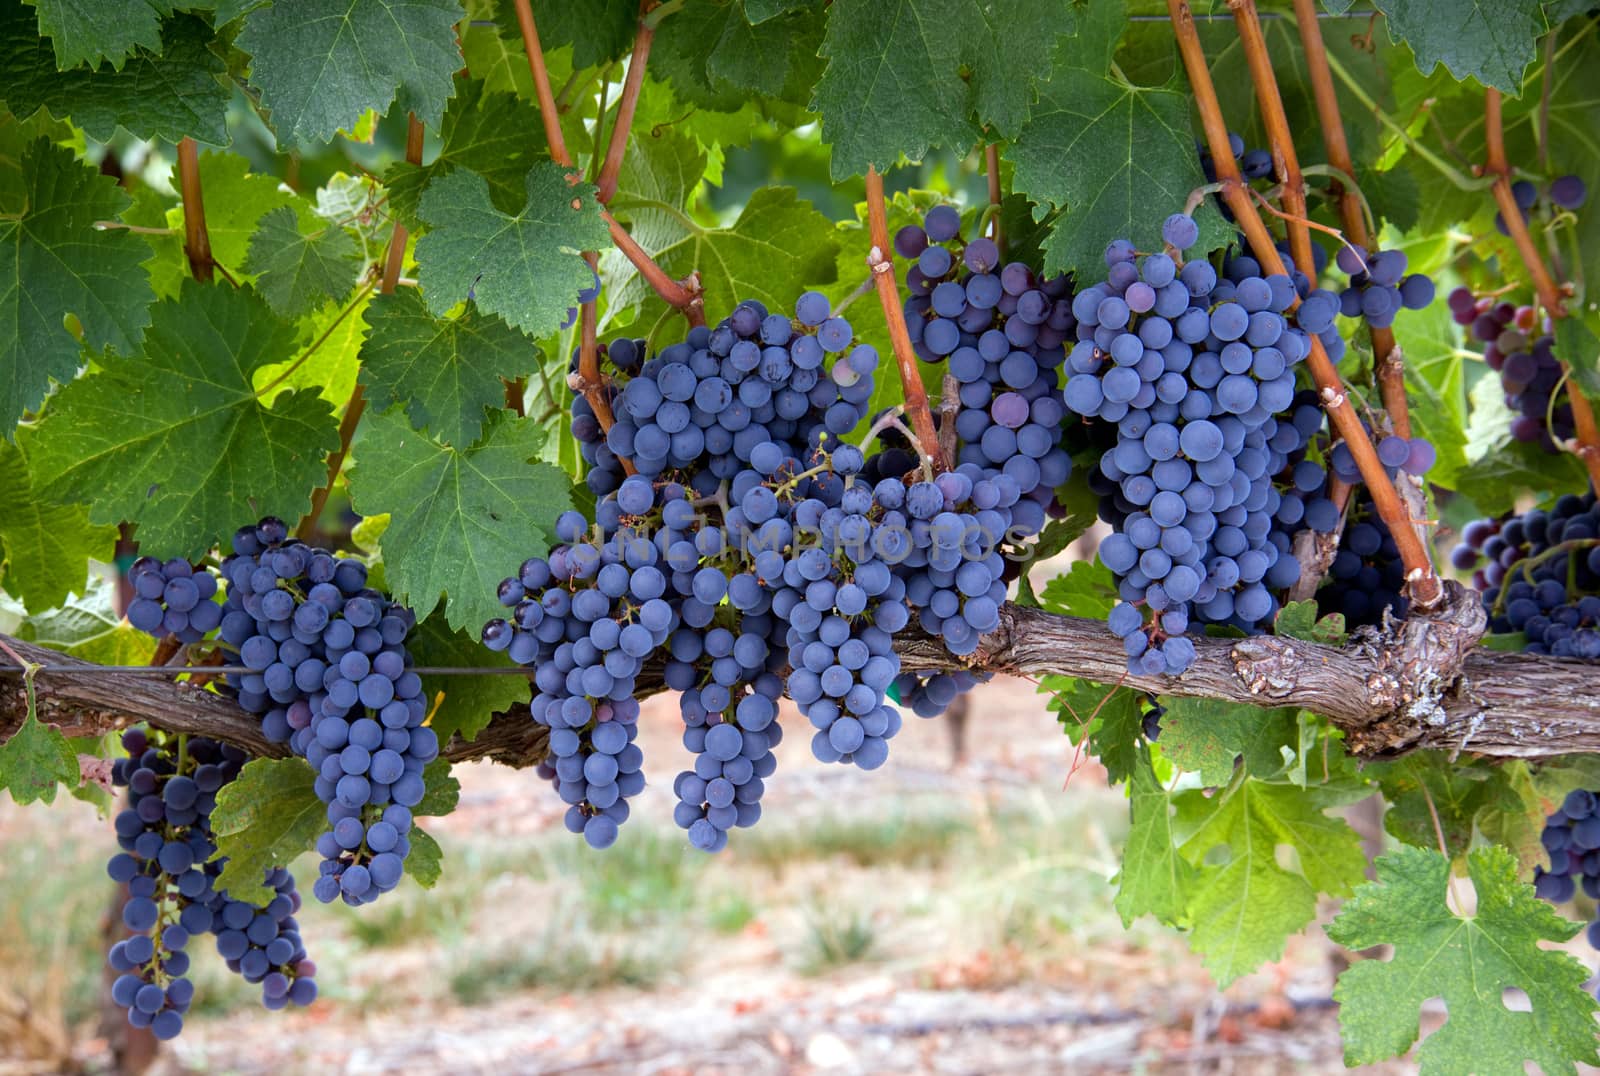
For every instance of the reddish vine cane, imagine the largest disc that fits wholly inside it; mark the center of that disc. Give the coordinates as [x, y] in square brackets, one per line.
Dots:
[1424, 585]
[880, 260]
[1387, 356]
[1544, 285]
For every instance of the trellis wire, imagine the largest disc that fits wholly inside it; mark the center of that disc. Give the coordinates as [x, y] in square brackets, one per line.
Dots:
[214, 670]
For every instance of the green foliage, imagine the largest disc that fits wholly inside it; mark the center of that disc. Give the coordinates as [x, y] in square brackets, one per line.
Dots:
[167, 92]
[321, 64]
[53, 263]
[494, 135]
[448, 371]
[894, 83]
[1469, 960]
[1489, 40]
[1210, 736]
[36, 758]
[92, 31]
[297, 272]
[463, 518]
[125, 440]
[466, 704]
[46, 546]
[524, 266]
[264, 818]
[1102, 151]
[1244, 906]
[777, 246]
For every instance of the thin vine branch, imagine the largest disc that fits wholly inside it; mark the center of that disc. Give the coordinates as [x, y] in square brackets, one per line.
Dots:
[1544, 285]
[1390, 367]
[1279, 138]
[548, 113]
[880, 260]
[1424, 584]
[628, 102]
[196, 240]
[357, 404]
[991, 168]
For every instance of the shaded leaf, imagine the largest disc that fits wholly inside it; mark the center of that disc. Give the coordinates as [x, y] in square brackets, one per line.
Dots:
[53, 262]
[448, 370]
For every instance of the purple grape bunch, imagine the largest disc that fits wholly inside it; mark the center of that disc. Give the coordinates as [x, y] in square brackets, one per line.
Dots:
[166, 863]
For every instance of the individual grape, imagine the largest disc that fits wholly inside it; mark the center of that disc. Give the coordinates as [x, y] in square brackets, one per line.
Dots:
[1569, 192]
[1181, 231]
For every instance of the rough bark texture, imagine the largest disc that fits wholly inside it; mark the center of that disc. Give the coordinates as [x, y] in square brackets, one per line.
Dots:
[1420, 683]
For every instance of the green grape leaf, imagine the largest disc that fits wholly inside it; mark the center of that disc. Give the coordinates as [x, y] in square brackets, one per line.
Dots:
[330, 368]
[462, 519]
[1155, 879]
[488, 133]
[426, 862]
[443, 790]
[1580, 350]
[322, 64]
[904, 76]
[1497, 480]
[1116, 159]
[36, 758]
[464, 704]
[298, 272]
[714, 58]
[1436, 387]
[47, 546]
[90, 31]
[1244, 907]
[1207, 736]
[175, 436]
[524, 267]
[89, 626]
[169, 94]
[265, 817]
[1492, 41]
[1299, 620]
[1468, 960]
[1113, 717]
[53, 262]
[777, 246]
[447, 370]
[1086, 590]
[1427, 785]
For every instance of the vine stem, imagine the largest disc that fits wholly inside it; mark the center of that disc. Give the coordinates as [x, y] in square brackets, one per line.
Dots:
[880, 260]
[1425, 587]
[1279, 138]
[1544, 285]
[357, 405]
[991, 168]
[628, 102]
[1388, 359]
[548, 112]
[196, 240]
[683, 297]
